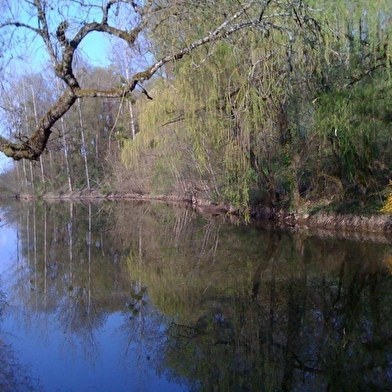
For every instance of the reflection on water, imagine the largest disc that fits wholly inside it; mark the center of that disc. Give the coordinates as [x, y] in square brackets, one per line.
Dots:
[143, 297]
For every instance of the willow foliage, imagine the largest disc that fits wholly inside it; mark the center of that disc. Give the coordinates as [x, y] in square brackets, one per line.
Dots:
[271, 112]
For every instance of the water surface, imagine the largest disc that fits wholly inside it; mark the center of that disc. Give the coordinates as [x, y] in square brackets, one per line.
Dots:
[147, 297]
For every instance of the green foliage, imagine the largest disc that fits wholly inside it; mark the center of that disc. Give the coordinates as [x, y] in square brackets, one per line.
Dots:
[192, 120]
[354, 126]
[290, 118]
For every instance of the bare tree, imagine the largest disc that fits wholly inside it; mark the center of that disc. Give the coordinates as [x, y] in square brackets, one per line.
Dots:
[40, 19]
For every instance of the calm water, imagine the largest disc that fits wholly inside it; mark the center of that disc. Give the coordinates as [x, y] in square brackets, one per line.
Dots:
[144, 297]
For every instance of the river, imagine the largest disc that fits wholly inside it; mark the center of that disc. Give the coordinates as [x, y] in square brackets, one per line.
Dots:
[149, 297]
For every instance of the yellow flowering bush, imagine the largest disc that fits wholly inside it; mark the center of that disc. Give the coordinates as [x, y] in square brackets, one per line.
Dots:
[388, 205]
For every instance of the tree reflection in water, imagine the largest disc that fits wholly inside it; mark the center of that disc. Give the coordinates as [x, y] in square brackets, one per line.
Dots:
[264, 310]
[210, 305]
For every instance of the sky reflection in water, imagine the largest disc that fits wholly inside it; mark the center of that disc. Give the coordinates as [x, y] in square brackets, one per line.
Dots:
[62, 365]
[57, 356]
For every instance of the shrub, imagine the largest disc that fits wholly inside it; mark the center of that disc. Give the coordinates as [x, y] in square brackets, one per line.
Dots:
[388, 204]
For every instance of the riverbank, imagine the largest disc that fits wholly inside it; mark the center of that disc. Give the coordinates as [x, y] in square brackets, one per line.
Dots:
[374, 223]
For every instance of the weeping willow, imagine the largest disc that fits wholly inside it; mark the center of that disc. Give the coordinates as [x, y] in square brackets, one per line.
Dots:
[199, 126]
[273, 110]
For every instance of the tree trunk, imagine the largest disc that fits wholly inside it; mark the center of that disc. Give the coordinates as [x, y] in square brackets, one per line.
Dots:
[84, 147]
[67, 168]
[41, 162]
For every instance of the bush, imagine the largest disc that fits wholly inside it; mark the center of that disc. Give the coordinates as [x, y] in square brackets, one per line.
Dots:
[388, 204]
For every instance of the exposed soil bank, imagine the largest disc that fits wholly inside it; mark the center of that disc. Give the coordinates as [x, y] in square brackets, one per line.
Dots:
[320, 220]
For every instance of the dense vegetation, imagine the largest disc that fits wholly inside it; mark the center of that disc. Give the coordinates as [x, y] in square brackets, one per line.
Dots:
[295, 111]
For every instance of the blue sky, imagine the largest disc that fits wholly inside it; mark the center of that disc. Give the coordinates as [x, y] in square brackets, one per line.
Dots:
[4, 162]
[7, 248]
[96, 48]
[32, 51]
